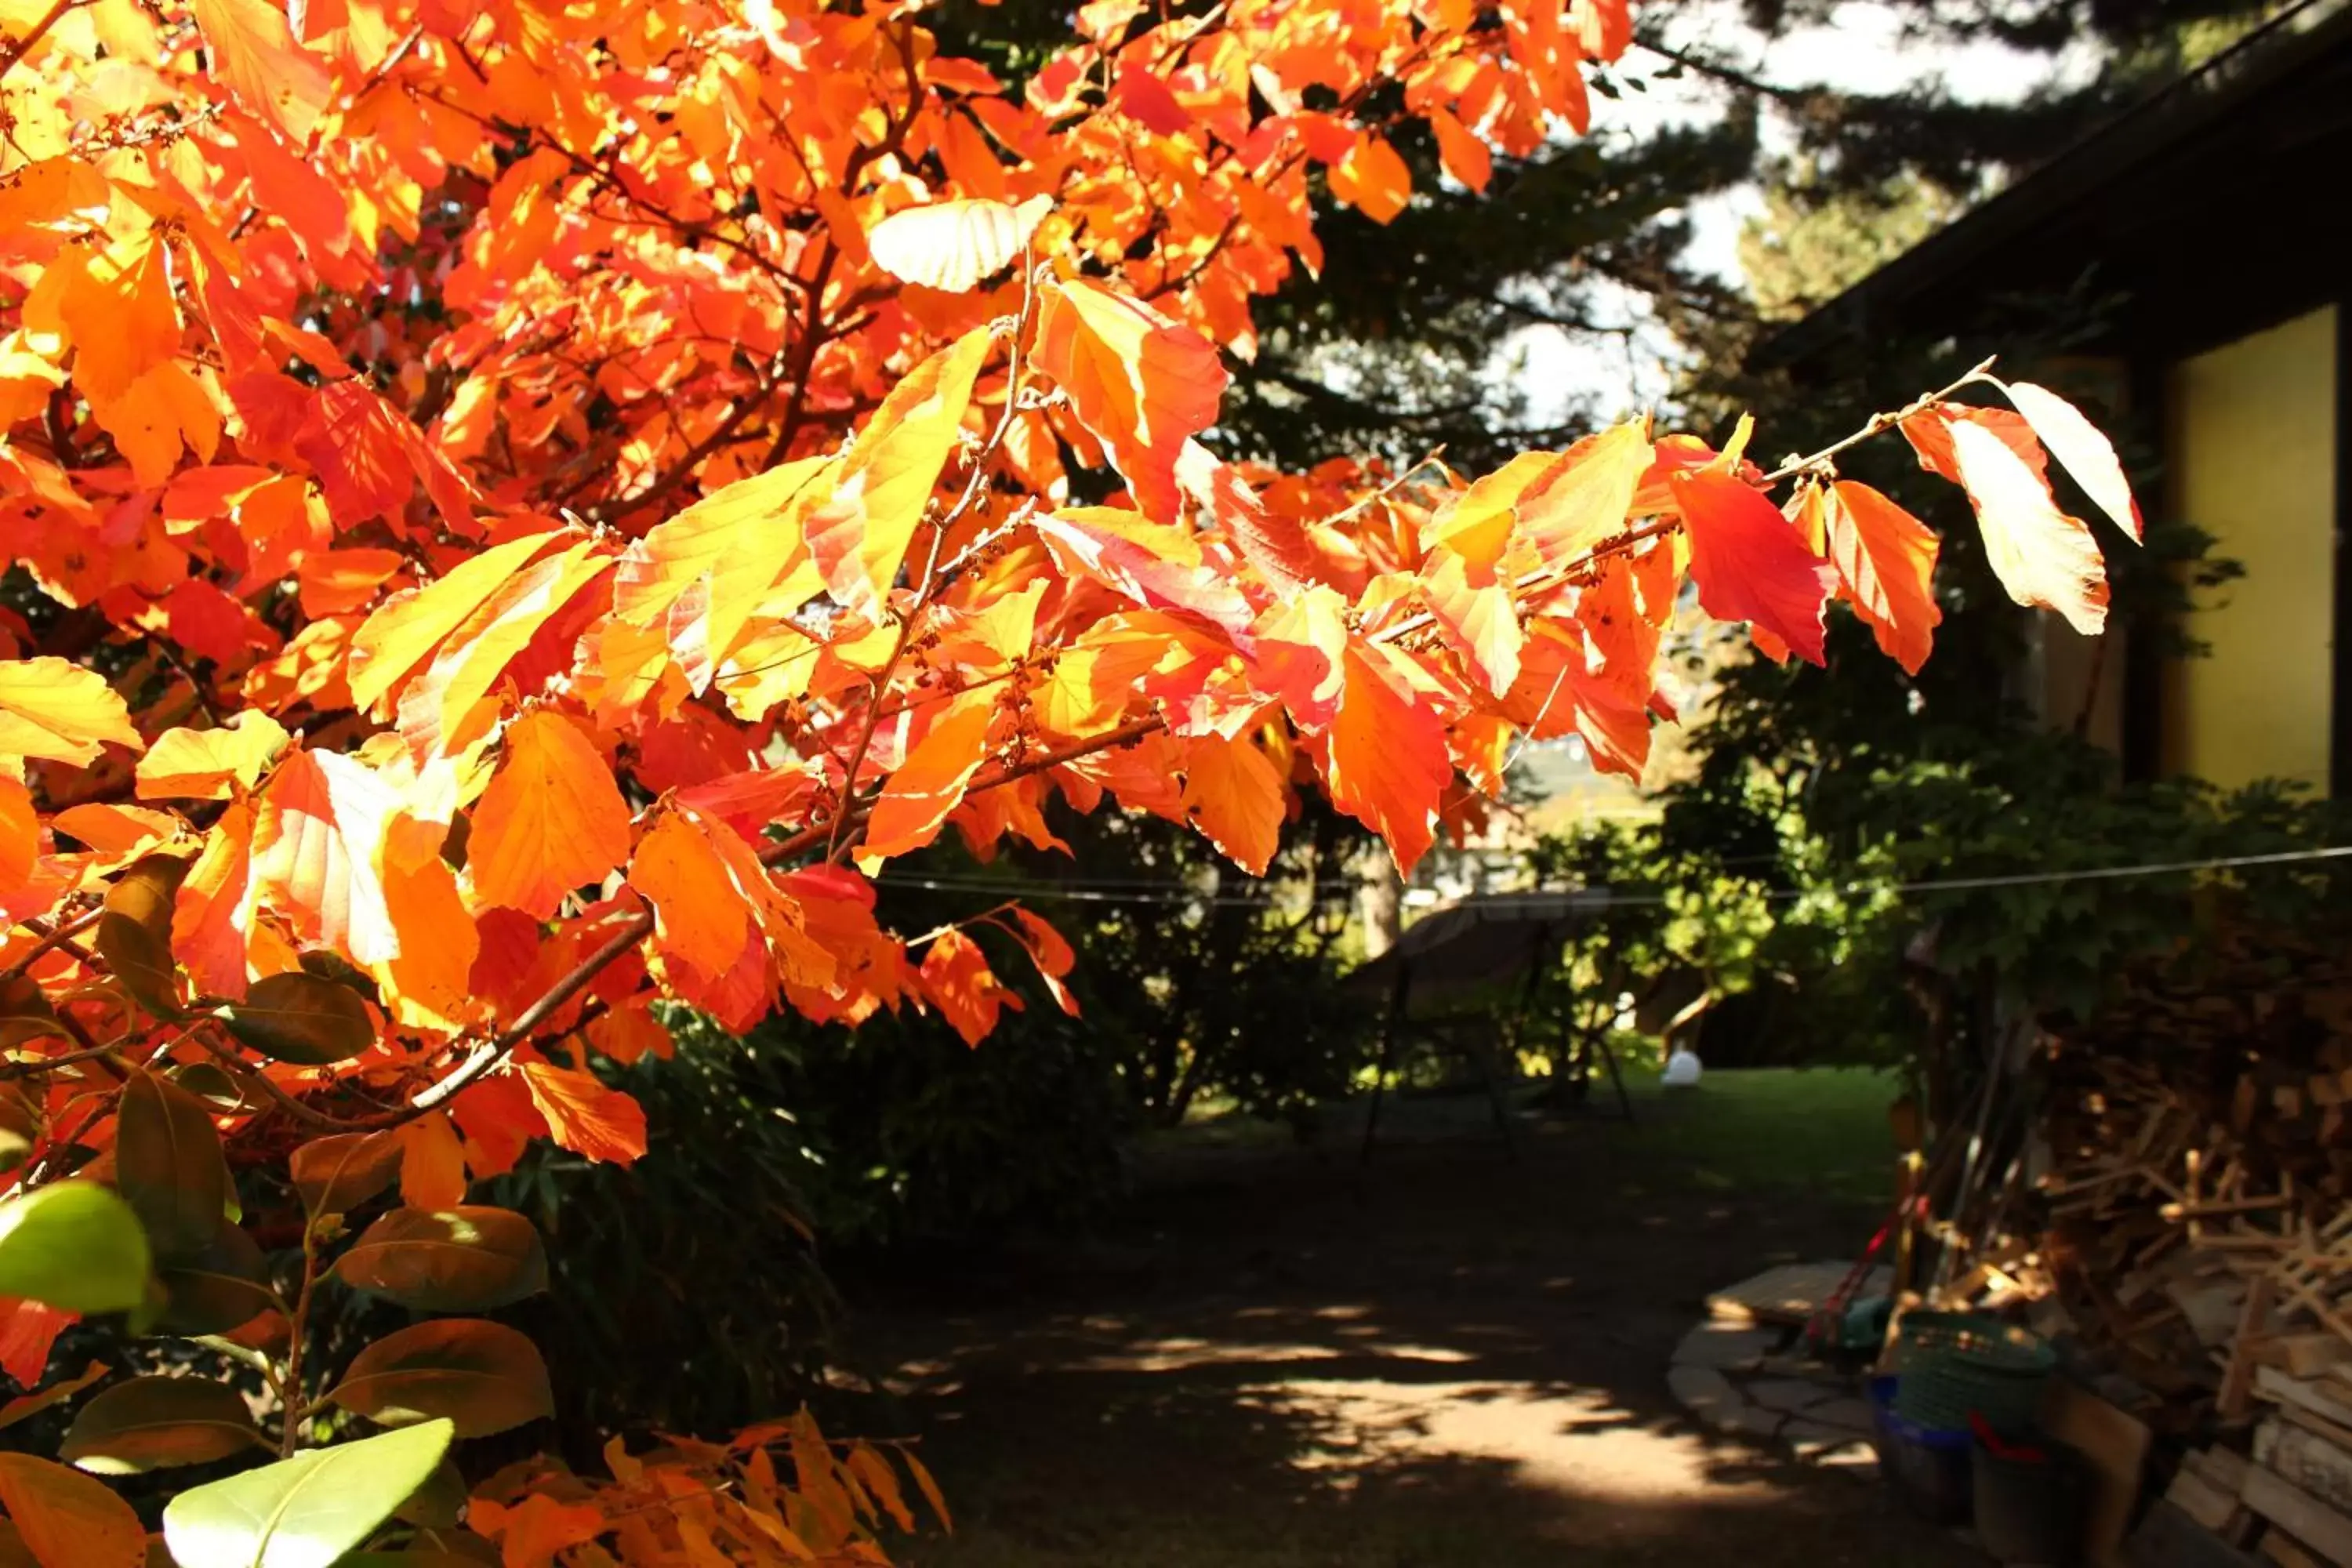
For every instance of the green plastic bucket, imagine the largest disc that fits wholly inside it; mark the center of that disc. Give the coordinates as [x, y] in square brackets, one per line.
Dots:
[1955, 1364]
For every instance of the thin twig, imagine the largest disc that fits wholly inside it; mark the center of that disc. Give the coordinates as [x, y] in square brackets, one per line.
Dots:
[60, 936]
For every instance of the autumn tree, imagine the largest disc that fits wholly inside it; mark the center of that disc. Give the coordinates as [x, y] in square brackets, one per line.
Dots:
[519, 512]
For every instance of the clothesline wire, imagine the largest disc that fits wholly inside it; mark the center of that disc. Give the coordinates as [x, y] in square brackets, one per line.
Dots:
[1141, 892]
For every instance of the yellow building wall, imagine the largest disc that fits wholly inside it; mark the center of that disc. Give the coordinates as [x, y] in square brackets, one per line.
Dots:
[2252, 462]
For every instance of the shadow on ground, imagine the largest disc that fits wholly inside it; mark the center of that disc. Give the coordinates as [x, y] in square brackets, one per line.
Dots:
[1451, 1358]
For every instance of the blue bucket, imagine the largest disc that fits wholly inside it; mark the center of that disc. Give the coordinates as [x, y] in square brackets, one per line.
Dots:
[1928, 1469]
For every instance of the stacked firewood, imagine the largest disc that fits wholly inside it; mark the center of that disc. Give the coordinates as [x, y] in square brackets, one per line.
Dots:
[2178, 1211]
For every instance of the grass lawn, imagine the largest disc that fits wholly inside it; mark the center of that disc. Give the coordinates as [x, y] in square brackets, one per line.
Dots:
[1817, 1131]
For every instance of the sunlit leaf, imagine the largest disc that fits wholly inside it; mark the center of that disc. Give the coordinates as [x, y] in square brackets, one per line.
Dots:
[954, 244]
[49, 708]
[1143, 382]
[306, 1512]
[551, 820]
[2042, 556]
[75, 1245]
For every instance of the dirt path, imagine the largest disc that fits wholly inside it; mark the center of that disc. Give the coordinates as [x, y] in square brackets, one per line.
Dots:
[1454, 1361]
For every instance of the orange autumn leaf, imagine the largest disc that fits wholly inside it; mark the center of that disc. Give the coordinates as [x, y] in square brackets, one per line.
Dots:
[550, 821]
[630, 1033]
[1587, 499]
[1373, 179]
[1140, 382]
[20, 834]
[49, 708]
[696, 916]
[957, 978]
[254, 50]
[431, 1164]
[585, 1116]
[123, 319]
[1886, 559]
[212, 917]
[315, 841]
[530, 1533]
[428, 983]
[1465, 157]
[450, 704]
[68, 1517]
[1387, 765]
[1477, 618]
[1236, 798]
[930, 783]
[2042, 556]
[28, 1332]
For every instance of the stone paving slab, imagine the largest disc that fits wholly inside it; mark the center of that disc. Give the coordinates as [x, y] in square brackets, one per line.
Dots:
[1754, 1382]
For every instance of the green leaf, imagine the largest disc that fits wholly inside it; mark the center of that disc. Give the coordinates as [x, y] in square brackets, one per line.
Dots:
[75, 1246]
[464, 1259]
[151, 1422]
[168, 1165]
[484, 1377]
[223, 1287]
[298, 1017]
[135, 934]
[306, 1512]
[338, 1172]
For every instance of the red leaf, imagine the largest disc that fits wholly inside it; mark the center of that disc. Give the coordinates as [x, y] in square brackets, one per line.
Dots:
[1155, 566]
[1148, 101]
[1749, 564]
[28, 1331]
[585, 1116]
[1049, 953]
[1274, 543]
